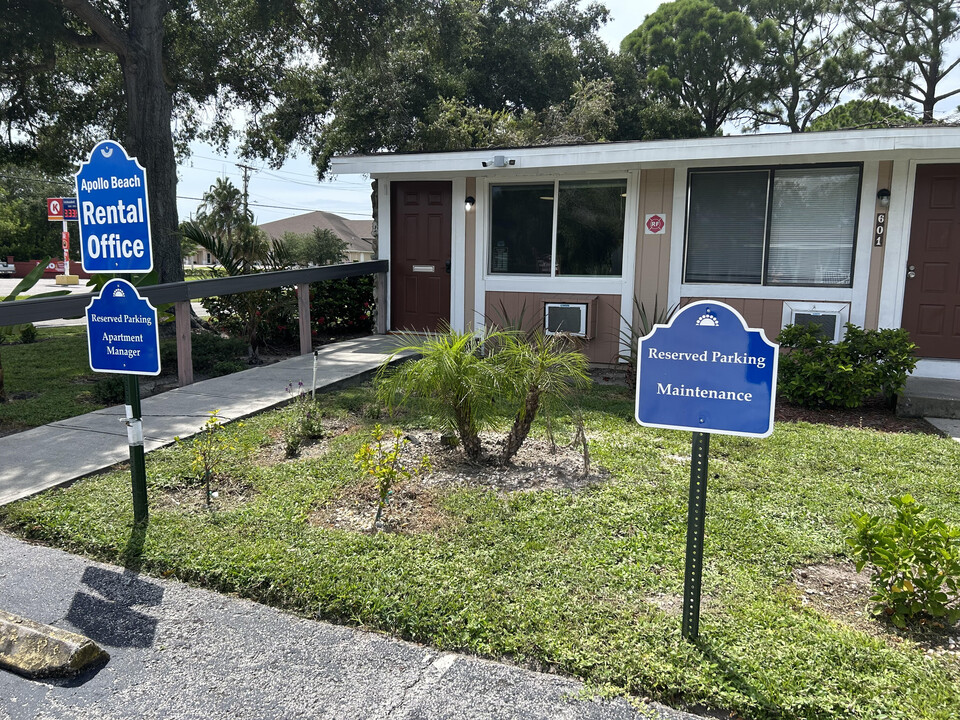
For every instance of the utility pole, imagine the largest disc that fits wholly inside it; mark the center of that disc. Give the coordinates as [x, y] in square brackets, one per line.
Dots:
[246, 180]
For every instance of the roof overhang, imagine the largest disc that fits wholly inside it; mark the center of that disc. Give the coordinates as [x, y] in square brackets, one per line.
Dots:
[920, 142]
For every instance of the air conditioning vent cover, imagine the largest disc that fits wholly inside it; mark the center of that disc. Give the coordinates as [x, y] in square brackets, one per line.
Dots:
[570, 318]
[827, 322]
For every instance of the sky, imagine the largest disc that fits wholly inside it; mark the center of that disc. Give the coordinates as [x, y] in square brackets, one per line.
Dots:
[294, 189]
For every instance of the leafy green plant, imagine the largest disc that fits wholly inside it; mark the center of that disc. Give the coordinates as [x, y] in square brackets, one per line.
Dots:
[28, 334]
[307, 420]
[384, 462]
[343, 306]
[252, 314]
[916, 562]
[452, 378]
[816, 372]
[536, 371]
[109, 389]
[209, 449]
[640, 326]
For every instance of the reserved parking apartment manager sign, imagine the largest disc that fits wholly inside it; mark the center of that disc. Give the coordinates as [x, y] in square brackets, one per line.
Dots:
[114, 215]
[706, 371]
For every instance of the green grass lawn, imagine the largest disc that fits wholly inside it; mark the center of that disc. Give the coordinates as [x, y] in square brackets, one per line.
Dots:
[51, 379]
[567, 581]
[47, 380]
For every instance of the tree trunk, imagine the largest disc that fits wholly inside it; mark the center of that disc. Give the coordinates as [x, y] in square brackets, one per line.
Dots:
[149, 133]
[3, 391]
[521, 425]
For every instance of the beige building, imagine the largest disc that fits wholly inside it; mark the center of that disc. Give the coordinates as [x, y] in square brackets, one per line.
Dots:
[357, 234]
[859, 226]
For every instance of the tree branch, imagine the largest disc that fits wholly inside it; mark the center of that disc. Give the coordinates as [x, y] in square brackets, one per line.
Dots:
[112, 36]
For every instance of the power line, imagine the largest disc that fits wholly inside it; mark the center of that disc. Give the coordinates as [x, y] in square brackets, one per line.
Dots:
[283, 207]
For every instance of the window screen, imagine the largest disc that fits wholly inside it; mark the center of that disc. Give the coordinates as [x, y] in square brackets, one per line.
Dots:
[590, 219]
[772, 226]
[725, 231]
[521, 229]
[812, 226]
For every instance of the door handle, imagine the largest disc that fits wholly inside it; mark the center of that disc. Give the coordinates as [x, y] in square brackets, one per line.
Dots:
[447, 267]
[911, 271]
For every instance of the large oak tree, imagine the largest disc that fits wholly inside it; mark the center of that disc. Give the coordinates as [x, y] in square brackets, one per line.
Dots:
[154, 74]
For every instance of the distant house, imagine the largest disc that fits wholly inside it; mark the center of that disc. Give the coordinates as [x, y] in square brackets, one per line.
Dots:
[357, 234]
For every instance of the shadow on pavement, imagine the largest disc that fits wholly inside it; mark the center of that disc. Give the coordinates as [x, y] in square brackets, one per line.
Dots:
[108, 615]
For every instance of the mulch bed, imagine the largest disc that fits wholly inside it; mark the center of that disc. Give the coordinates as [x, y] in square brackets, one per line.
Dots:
[874, 414]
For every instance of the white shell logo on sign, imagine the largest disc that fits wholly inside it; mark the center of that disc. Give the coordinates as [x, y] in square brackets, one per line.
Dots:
[114, 215]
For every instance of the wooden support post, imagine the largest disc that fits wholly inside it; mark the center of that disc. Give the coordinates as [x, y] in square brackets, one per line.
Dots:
[184, 345]
[303, 310]
[380, 298]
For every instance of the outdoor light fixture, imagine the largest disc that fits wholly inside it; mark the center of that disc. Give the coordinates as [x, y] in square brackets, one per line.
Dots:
[469, 203]
[883, 197]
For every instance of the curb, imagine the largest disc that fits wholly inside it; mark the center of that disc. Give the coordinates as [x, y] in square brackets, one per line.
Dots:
[36, 650]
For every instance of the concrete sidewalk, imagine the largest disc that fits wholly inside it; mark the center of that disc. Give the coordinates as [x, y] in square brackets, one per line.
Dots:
[182, 653]
[63, 451]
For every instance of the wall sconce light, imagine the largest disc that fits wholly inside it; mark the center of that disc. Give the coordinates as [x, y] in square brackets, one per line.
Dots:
[883, 197]
[469, 203]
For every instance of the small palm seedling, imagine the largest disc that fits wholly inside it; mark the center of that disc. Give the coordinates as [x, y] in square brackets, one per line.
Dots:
[452, 378]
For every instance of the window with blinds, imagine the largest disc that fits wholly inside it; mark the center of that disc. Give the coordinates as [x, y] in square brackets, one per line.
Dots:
[775, 226]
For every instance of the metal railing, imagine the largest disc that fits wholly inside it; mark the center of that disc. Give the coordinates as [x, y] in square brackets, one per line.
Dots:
[181, 293]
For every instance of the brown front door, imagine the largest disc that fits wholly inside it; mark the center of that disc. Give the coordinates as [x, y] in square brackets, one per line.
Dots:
[931, 301]
[420, 255]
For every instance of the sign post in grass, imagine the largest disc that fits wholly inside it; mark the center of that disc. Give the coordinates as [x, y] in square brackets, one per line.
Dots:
[122, 333]
[707, 372]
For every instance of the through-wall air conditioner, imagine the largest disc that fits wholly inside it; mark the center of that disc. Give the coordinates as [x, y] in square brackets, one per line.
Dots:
[829, 317]
[569, 318]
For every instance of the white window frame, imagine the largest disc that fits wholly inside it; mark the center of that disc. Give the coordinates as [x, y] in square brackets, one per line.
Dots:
[771, 171]
[856, 295]
[571, 284]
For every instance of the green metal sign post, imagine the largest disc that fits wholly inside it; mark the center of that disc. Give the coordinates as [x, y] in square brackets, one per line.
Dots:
[696, 514]
[138, 466]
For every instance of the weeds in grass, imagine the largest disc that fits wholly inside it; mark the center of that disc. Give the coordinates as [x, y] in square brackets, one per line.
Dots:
[209, 449]
[384, 462]
[307, 420]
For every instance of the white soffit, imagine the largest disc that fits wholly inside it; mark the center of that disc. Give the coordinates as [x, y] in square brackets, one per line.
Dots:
[939, 143]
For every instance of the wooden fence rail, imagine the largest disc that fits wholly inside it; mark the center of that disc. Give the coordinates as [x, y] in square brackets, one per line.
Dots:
[181, 293]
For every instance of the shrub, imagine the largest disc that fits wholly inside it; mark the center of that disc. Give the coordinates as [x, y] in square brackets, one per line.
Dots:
[306, 423]
[212, 354]
[28, 334]
[343, 306]
[385, 464]
[109, 390]
[816, 372]
[464, 378]
[916, 563]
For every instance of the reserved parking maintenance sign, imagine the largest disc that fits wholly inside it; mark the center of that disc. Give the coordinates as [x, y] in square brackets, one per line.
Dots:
[706, 371]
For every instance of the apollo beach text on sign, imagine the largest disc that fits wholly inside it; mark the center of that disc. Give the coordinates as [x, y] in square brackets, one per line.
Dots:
[114, 213]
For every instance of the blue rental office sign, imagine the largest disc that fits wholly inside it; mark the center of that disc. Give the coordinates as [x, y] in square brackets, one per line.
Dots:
[113, 212]
[122, 335]
[706, 371]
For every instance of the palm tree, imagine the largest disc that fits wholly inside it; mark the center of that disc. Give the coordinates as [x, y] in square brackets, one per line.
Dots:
[224, 213]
